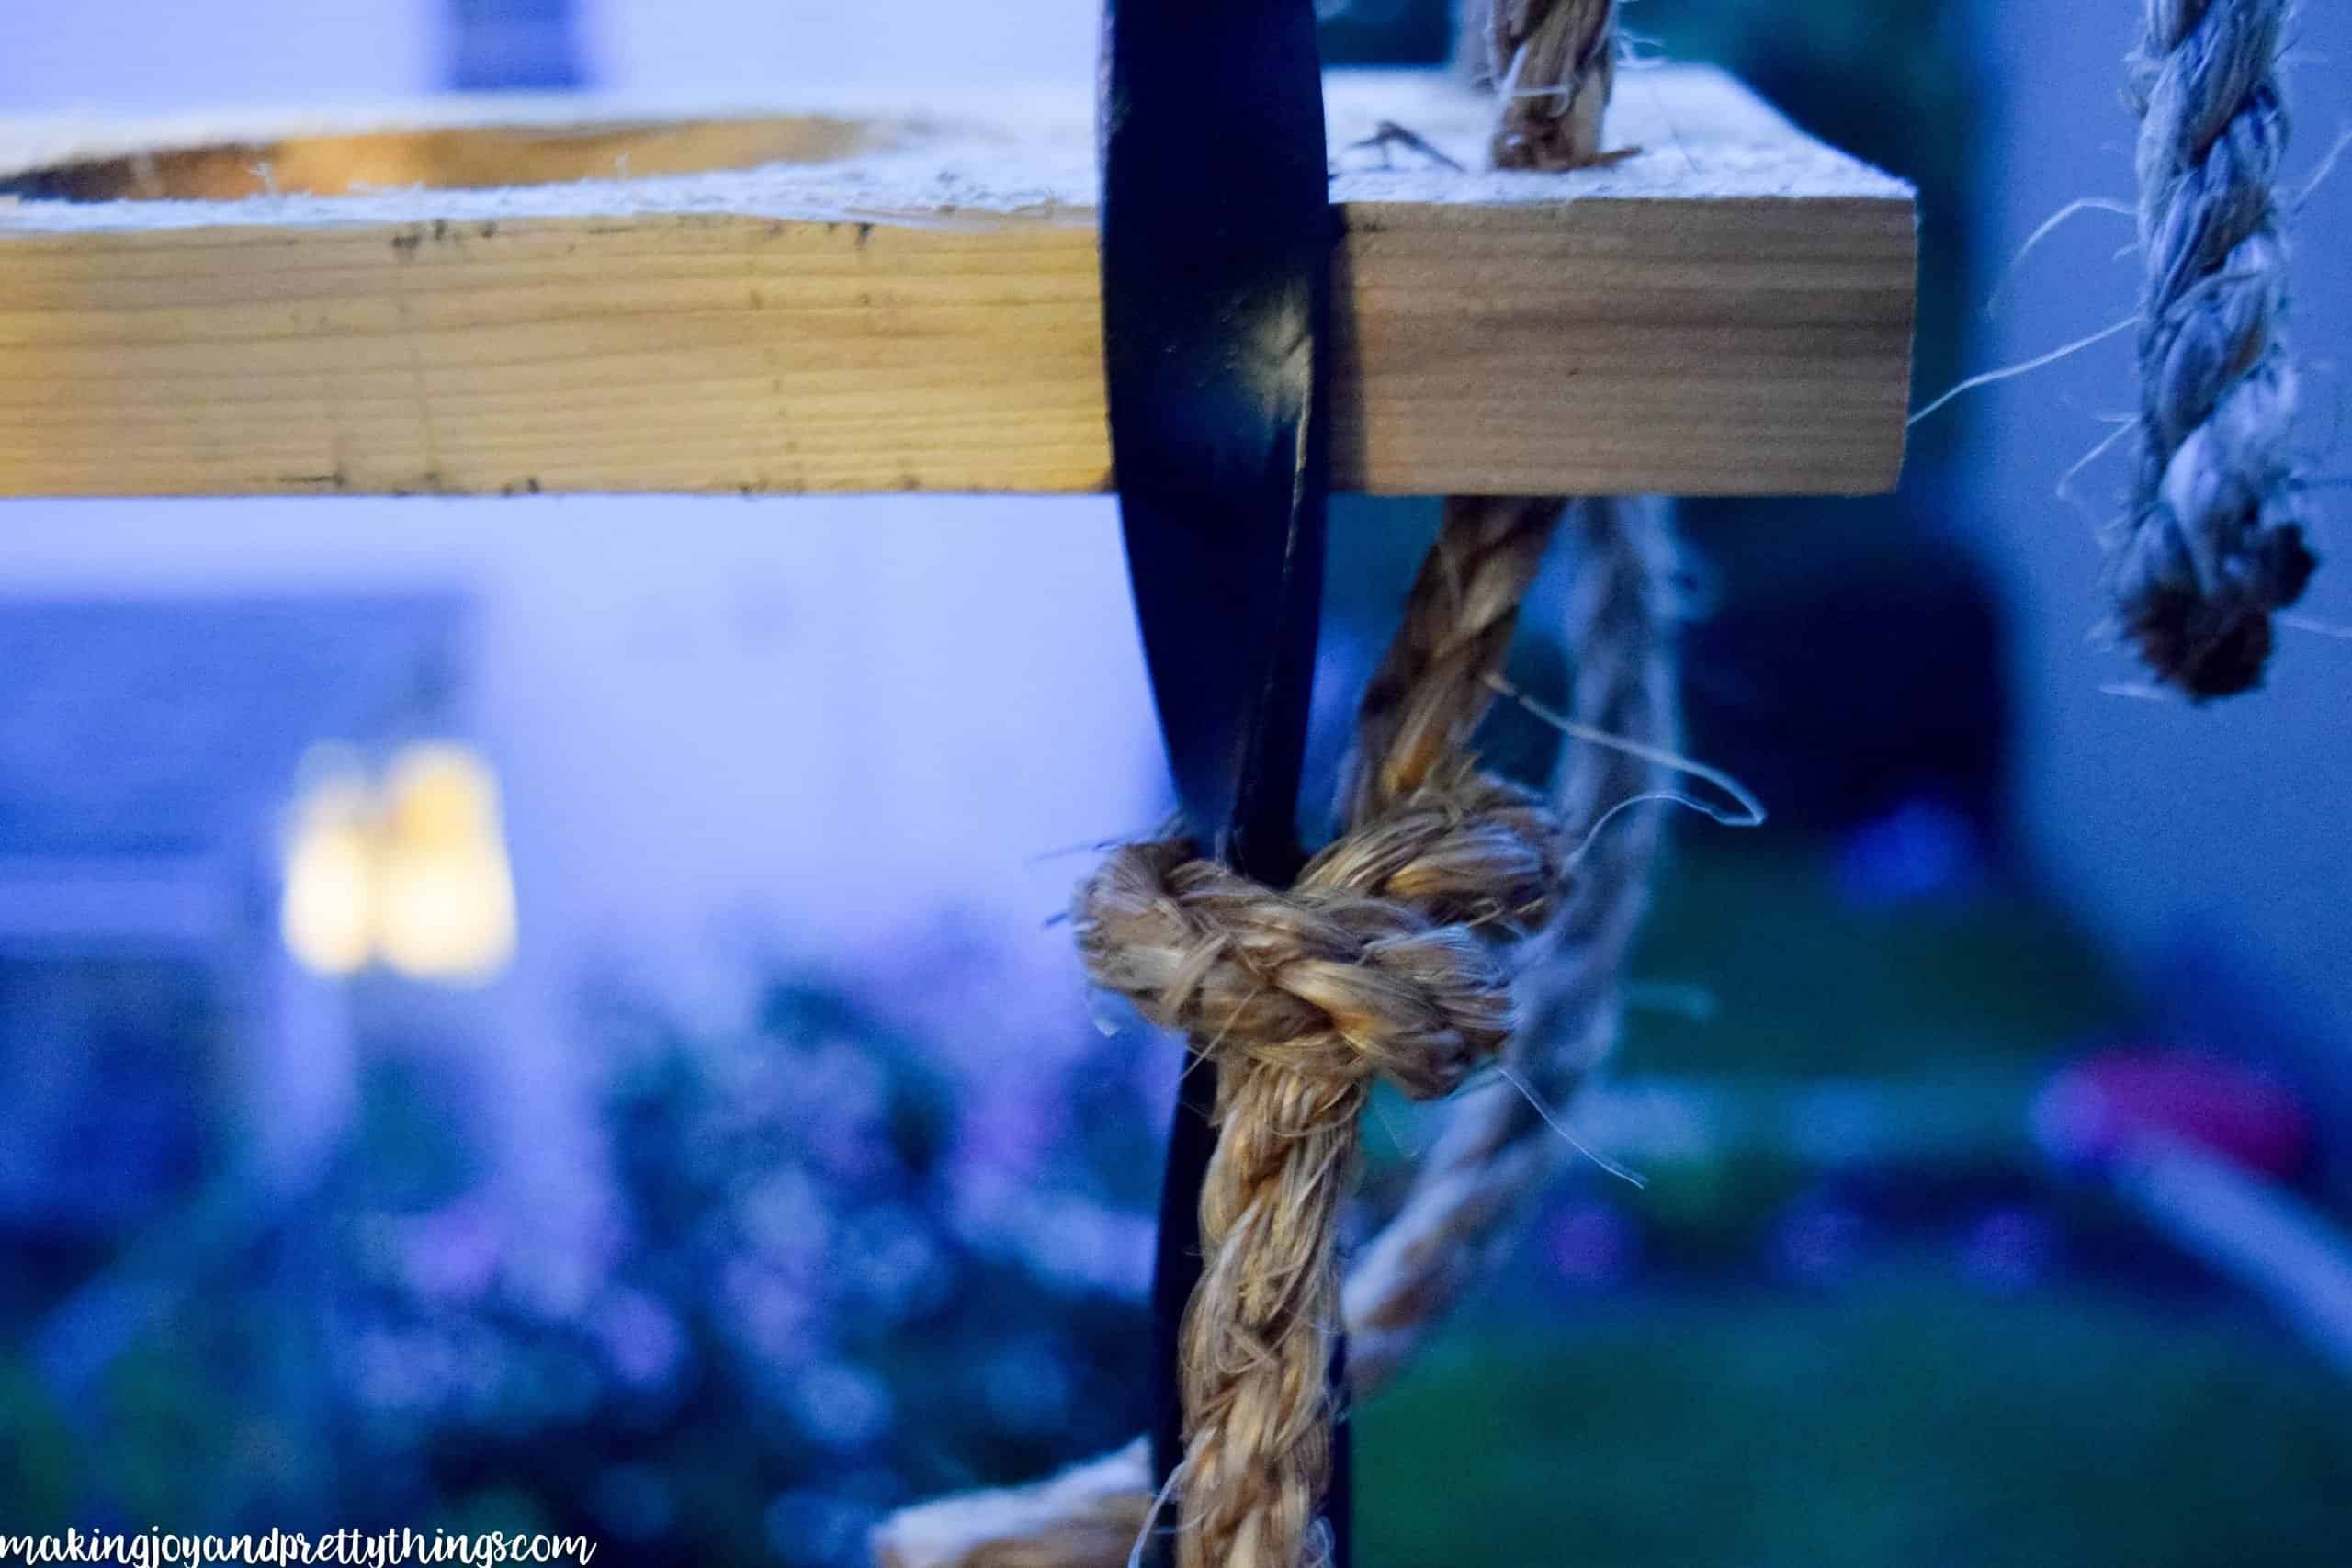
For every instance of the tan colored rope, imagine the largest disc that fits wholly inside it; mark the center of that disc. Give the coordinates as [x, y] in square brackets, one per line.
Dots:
[1088, 1516]
[1553, 64]
[1394, 956]
[1389, 958]
[1496, 1149]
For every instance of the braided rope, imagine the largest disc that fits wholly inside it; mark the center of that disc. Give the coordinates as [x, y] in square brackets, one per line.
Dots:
[1497, 1150]
[1390, 957]
[1088, 1517]
[1553, 64]
[2214, 543]
[1394, 956]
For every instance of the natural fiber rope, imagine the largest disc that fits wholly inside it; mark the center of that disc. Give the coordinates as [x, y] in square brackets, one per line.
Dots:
[1394, 956]
[2214, 543]
[1553, 63]
[1088, 1516]
[1496, 1149]
[1389, 958]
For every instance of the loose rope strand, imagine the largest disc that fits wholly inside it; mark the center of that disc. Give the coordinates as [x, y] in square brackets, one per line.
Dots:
[2213, 544]
[1553, 64]
[1495, 1150]
[1394, 956]
[1462, 1206]
[1389, 959]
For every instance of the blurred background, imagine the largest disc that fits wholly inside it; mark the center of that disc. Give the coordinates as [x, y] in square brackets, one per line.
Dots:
[542, 1013]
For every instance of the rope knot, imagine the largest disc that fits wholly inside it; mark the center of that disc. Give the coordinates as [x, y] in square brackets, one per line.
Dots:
[1390, 957]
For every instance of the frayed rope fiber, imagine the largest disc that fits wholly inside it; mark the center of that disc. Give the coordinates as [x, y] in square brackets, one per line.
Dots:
[1392, 956]
[2214, 545]
[1496, 1148]
[1553, 64]
[1441, 932]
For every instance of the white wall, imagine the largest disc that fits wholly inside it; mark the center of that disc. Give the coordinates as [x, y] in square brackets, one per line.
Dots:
[157, 55]
[741, 49]
[726, 727]
[165, 54]
[704, 704]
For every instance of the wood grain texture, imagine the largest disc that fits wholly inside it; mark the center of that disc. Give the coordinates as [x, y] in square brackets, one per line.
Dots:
[911, 303]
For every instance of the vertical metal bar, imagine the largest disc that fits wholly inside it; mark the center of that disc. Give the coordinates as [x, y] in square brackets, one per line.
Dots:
[1191, 1141]
[1217, 239]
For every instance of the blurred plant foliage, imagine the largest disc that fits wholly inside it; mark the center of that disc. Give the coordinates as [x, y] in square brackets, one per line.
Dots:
[800, 1316]
[804, 1325]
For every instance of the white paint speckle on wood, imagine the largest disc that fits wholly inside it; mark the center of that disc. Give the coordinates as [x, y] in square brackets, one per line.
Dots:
[1726, 309]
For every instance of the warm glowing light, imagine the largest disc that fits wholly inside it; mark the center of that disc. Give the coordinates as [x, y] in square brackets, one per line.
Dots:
[413, 874]
[446, 902]
[329, 910]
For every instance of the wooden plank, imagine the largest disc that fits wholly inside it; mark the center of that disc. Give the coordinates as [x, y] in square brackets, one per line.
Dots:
[308, 305]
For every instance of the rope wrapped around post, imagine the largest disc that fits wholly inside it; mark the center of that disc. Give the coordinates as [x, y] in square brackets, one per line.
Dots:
[1441, 931]
[1391, 957]
[1496, 1148]
[2213, 544]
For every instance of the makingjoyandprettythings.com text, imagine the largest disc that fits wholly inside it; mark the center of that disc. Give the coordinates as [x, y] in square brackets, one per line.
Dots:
[154, 1548]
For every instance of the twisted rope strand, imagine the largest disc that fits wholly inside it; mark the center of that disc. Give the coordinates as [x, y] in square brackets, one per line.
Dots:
[1431, 691]
[1553, 64]
[1394, 955]
[1389, 958]
[1497, 1150]
[1088, 1517]
[2214, 543]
